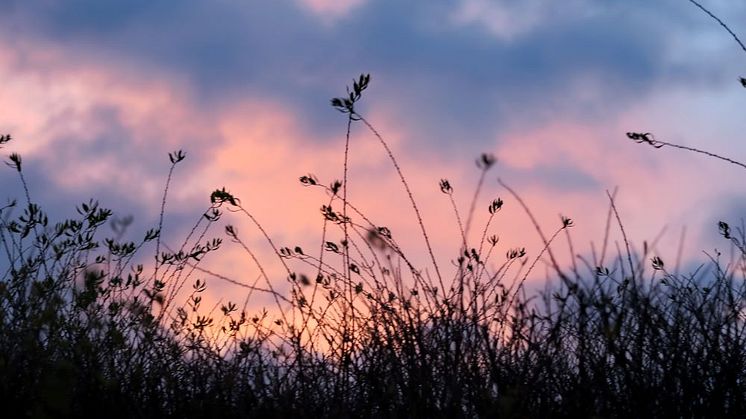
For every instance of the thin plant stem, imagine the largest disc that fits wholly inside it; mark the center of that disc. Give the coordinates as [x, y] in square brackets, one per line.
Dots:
[718, 20]
[409, 194]
[624, 235]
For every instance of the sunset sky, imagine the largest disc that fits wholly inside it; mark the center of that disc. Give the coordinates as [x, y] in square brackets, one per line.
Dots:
[97, 93]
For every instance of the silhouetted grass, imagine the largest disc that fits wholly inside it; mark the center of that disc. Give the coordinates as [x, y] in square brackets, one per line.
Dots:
[85, 330]
[362, 331]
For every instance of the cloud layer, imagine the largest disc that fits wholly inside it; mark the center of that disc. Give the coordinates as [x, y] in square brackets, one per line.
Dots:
[98, 94]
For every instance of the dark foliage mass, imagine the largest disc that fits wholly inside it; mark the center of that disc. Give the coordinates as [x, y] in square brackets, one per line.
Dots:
[87, 329]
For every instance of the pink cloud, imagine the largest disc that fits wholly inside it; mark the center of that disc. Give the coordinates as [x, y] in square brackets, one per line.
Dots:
[657, 188]
[53, 102]
[266, 150]
[331, 9]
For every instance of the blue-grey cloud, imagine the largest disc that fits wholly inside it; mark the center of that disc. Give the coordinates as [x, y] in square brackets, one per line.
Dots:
[433, 69]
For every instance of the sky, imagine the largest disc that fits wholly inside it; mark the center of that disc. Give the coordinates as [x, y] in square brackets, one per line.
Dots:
[97, 93]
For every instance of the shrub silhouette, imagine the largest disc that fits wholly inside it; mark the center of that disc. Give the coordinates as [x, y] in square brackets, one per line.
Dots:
[362, 331]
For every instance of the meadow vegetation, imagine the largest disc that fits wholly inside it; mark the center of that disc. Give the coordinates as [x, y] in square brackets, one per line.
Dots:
[85, 329]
